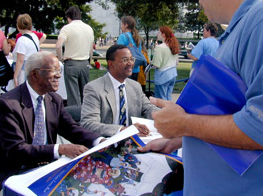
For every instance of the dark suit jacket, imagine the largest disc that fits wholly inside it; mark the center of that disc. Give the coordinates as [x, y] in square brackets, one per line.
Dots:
[17, 126]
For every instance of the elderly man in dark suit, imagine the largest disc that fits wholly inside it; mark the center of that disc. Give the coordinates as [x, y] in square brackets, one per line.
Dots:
[29, 128]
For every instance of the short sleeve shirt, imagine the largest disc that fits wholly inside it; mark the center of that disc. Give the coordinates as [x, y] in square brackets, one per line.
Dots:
[208, 46]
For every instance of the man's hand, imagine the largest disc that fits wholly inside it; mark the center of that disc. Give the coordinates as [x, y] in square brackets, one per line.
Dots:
[71, 150]
[170, 120]
[143, 129]
[162, 145]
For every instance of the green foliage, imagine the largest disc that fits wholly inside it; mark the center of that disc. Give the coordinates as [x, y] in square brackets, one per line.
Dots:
[87, 18]
[195, 18]
[150, 15]
[46, 14]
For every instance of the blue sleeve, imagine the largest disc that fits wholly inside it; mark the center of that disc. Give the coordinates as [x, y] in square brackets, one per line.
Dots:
[123, 40]
[250, 118]
[198, 50]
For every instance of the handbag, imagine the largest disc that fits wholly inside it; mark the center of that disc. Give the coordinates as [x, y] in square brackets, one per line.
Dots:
[140, 58]
[6, 71]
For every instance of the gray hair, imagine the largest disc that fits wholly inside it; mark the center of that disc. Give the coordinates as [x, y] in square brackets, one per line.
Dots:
[36, 61]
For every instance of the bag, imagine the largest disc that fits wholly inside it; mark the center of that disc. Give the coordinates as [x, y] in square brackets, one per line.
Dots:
[142, 76]
[29, 37]
[6, 71]
[140, 58]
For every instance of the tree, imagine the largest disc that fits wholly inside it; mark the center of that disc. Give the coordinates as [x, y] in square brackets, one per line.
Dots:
[96, 26]
[194, 18]
[46, 14]
[149, 14]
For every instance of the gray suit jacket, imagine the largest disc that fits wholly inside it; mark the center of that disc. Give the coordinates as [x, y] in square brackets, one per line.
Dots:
[98, 110]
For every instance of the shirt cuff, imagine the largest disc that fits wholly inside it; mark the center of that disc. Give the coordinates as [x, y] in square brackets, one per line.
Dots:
[56, 154]
[97, 141]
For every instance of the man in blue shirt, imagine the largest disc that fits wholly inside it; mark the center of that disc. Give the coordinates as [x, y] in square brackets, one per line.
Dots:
[208, 45]
[241, 50]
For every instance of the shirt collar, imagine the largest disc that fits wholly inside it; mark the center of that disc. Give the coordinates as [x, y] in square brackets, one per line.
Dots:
[241, 11]
[32, 92]
[115, 82]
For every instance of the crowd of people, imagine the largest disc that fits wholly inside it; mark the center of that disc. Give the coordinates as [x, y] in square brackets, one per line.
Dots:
[32, 114]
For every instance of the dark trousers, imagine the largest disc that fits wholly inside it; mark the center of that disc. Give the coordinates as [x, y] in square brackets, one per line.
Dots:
[76, 74]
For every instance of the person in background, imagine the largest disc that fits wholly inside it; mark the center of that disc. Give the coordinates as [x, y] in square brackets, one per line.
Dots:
[165, 60]
[24, 47]
[12, 43]
[78, 38]
[103, 111]
[205, 172]
[128, 25]
[97, 64]
[31, 117]
[41, 36]
[209, 45]
[4, 46]
[141, 75]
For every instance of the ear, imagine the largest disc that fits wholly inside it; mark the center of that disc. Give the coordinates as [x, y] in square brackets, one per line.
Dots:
[34, 75]
[110, 64]
[125, 25]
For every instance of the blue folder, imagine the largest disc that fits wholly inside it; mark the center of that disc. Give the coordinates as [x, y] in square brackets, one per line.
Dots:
[213, 89]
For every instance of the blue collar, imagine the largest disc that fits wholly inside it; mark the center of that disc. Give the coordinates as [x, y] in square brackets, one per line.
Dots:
[241, 11]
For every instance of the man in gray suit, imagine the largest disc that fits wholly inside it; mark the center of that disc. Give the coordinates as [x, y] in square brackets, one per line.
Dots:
[101, 109]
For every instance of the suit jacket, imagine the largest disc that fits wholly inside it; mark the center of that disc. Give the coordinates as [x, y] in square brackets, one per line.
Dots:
[98, 110]
[17, 126]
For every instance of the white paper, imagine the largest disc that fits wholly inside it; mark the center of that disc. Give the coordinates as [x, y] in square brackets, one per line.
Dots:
[150, 124]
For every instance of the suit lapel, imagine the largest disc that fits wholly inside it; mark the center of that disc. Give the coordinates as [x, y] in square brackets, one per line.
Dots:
[131, 97]
[27, 109]
[108, 87]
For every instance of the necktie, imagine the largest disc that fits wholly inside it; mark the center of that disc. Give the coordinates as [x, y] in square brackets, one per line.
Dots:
[122, 107]
[39, 126]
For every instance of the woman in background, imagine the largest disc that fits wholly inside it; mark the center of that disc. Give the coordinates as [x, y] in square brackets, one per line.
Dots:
[24, 47]
[165, 60]
[41, 36]
[128, 27]
[3, 44]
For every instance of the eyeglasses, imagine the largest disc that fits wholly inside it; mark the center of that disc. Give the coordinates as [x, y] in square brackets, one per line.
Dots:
[53, 71]
[125, 60]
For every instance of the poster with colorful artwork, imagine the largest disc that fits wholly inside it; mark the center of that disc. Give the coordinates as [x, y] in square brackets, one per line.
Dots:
[118, 169]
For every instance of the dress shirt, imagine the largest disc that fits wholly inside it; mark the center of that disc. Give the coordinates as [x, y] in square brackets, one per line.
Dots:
[116, 85]
[34, 97]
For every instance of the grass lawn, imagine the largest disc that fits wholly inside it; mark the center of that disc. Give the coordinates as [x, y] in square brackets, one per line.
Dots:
[183, 70]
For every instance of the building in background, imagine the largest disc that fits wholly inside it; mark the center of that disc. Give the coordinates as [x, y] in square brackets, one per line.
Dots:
[108, 17]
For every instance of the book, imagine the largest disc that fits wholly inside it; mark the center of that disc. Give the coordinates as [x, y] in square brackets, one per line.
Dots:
[213, 89]
[106, 169]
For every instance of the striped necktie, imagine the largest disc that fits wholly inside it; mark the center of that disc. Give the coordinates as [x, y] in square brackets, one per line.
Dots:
[122, 118]
[39, 126]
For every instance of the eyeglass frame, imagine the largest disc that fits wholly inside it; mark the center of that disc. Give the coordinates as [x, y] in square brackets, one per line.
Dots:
[126, 59]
